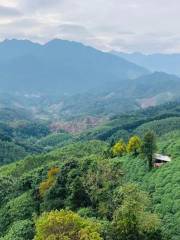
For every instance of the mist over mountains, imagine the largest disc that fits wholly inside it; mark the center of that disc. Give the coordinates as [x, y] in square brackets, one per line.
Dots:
[63, 78]
[169, 63]
[60, 66]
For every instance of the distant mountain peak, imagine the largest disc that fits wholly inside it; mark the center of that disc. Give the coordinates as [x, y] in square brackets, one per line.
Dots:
[61, 66]
[162, 62]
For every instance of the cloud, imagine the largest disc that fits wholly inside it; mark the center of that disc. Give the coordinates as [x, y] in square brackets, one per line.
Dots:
[39, 5]
[73, 29]
[148, 43]
[9, 11]
[80, 33]
[74, 32]
[129, 25]
[27, 28]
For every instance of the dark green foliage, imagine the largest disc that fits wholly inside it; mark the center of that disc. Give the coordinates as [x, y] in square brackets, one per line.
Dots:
[74, 186]
[161, 120]
[10, 152]
[15, 139]
[78, 197]
[54, 140]
[7, 188]
[160, 127]
[149, 147]
[6, 132]
[32, 129]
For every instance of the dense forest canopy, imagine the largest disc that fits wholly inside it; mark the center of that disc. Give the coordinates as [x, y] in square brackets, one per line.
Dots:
[93, 184]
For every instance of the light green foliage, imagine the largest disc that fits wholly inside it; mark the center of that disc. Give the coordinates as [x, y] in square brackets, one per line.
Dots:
[20, 230]
[131, 220]
[66, 225]
[162, 183]
[119, 148]
[19, 208]
[134, 145]
[169, 144]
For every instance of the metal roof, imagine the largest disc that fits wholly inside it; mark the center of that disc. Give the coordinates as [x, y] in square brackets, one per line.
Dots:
[162, 157]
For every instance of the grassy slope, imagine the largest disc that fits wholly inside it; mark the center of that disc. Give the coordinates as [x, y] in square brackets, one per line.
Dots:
[163, 184]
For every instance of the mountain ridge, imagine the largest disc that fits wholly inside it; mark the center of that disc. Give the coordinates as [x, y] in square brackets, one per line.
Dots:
[59, 65]
[169, 63]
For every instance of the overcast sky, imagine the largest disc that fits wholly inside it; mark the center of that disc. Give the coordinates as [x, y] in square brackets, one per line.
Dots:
[123, 25]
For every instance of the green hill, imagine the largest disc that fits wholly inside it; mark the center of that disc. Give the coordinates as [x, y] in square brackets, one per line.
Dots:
[80, 175]
[162, 184]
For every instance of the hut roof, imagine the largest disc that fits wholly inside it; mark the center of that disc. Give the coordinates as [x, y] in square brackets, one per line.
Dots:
[162, 157]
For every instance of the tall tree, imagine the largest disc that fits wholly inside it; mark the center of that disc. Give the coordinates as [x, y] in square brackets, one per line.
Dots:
[149, 147]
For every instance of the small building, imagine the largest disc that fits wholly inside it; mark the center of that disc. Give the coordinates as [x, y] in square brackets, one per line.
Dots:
[160, 159]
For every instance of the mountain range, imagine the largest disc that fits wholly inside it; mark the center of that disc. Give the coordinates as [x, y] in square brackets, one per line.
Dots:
[64, 78]
[60, 66]
[169, 63]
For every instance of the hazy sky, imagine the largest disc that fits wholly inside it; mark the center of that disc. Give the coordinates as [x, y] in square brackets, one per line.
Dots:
[123, 25]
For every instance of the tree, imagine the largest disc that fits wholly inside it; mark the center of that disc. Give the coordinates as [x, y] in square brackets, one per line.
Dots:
[100, 181]
[44, 186]
[66, 225]
[22, 229]
[78, 197]
[7, 187]
[134, 145]
[131, 219]
[149, 147]
[119, 148]
[19, 208]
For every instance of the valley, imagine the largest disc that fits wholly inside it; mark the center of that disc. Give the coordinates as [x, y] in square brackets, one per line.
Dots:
[78, 142]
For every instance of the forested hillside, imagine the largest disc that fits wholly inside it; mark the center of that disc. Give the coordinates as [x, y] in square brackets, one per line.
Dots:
[83, 186]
